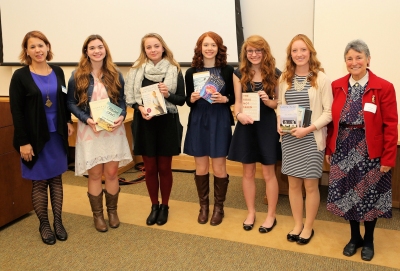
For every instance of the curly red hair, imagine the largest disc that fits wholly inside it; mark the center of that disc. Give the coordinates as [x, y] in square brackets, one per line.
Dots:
[220, 58]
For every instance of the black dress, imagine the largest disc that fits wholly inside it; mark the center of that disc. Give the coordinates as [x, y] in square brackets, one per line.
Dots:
[257, 142]
[161, 135]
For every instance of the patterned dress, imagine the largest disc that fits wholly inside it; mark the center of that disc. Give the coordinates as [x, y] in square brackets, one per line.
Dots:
[357, 189]
[101, 147]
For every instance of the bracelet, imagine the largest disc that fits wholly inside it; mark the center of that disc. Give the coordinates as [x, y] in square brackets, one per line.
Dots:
[238, 114]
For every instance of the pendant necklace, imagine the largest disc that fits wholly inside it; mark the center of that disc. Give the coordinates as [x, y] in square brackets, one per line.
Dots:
[96, 79]
[48, 102]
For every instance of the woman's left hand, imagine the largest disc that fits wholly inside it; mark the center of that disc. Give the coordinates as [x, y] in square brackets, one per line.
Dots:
[264, 97]
[70, 129]
[218, 98]
[385, 169]
[117, 123]
[299, 132]
[163, 89]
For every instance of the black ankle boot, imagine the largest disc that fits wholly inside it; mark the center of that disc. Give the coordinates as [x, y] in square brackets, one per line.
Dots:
[152, 218]
[163, 215]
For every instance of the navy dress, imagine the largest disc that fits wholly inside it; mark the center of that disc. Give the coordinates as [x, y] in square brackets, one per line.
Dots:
[209, 131]
[257, 142]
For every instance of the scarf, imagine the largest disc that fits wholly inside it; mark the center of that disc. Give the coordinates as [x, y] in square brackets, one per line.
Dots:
[163, 71]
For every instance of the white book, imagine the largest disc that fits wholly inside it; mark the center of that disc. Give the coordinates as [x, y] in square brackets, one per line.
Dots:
[199, 80]
[251, 105]
[289, 114]
[96, 109]
[153, 100]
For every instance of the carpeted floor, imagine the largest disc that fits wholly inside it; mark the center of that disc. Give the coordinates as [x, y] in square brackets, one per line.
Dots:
[132, 247]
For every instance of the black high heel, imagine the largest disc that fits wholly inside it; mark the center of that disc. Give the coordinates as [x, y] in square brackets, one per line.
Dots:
[305, 241]
[265, 229]
[249, 227]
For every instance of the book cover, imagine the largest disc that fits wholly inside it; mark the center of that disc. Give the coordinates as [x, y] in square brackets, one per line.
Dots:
[213, 84]
[109, 115]
[96, 109]
[288, 117]
[200, 79]
[153, 100]
[300, 115]
[307, 118]
[251, 105]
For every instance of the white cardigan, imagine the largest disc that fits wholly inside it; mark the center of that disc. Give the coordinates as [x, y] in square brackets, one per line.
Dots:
[320, 105]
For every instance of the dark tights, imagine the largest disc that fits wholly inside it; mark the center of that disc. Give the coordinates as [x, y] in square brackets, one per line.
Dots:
[40, 204]
[158, 175]
[369, 232]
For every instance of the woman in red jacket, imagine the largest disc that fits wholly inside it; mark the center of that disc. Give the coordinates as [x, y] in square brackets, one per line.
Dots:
[361, 148]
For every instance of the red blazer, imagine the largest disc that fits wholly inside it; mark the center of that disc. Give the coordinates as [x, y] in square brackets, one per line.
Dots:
[380, 127]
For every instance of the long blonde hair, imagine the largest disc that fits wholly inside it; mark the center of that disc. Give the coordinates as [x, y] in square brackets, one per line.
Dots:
[269, 78]
[108, 69]
[167, 54]
[315, 65]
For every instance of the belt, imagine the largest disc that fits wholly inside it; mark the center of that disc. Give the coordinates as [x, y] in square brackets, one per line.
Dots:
[356, 126]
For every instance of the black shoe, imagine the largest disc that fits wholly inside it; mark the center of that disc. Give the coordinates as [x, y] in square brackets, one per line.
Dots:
[61, 233]
[292, 237]
[265, 230]
[367, 253]
[304, 241]
[51, 240]
[162, 215]
[152, 218]
[350, 249]
[249, 227]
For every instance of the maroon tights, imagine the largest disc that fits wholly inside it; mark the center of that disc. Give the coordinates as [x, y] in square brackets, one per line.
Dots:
[158, 176]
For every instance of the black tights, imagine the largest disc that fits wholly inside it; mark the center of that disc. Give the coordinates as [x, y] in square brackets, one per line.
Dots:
[369, 232]
[40, 204]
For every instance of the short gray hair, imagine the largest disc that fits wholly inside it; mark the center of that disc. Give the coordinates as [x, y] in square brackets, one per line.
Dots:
[358, 46]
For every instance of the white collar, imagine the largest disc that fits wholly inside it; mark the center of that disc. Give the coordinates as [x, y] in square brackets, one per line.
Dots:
[363, 81]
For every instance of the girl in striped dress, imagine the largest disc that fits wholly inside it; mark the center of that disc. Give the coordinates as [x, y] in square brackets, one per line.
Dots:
[304, 83]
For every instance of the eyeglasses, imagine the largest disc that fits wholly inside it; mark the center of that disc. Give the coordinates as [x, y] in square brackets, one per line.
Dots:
[257, 51]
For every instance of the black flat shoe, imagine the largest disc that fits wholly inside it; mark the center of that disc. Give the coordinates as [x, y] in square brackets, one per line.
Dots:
[292, 237]
[367, 253]
[61, 233]
[152, 218]
[265, 230]
[249, 227]
[304, 241]
[350, 249]
[51, 240]
[162, 215]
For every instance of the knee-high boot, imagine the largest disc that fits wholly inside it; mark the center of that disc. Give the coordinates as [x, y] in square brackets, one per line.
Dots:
[96, 203]
[203, 190]
[220, 189]
[111, 203]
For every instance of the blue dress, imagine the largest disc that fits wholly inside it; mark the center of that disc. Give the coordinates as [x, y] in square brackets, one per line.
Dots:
[357, 189]
[209, 132]
[52, 160]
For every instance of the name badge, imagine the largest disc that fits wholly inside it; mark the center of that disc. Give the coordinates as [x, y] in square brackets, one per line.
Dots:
[369, 107]
[64, 89]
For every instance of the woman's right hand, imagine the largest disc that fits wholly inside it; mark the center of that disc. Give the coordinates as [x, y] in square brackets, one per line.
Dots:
[92, 124]
[328, 159]
[244, 119]
[145, 115]
[195, 96]
[26, 152]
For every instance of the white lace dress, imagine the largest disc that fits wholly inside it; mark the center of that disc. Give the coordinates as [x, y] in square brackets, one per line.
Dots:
[98, 148]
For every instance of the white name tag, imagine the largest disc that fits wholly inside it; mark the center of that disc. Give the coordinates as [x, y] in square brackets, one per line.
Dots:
[64, 89]
[369, 107]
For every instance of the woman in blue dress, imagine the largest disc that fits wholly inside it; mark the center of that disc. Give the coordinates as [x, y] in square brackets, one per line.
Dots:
[209, 127]
[42, 125]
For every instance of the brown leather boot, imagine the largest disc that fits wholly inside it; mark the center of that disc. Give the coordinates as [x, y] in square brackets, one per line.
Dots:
[111, 203]
[96, 202]
[220, 188]
[203, 189]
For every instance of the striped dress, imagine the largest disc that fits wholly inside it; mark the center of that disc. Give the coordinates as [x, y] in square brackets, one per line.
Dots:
[300, 156]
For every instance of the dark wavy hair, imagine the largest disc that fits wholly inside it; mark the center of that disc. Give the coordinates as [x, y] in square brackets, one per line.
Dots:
[220, 58]
[23, 57]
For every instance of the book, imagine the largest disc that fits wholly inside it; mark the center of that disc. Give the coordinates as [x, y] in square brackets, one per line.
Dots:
[96, 109]
[153, 100]
[200, 79]
[213, 84]
[307, 118]
[300, 115]
[288, 117]
[251, 105]
[110, 113]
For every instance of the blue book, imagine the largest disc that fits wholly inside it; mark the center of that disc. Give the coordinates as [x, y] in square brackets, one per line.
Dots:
[214, 84]
[110, 114]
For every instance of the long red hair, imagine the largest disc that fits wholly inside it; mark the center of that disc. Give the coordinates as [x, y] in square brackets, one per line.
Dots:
[220, 58]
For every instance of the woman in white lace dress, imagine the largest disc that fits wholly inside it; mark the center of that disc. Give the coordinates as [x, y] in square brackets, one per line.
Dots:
[99, 153]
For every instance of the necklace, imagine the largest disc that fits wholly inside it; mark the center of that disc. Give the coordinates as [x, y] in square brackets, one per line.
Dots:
[48, 102]
[299, 85]
[96, 79]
